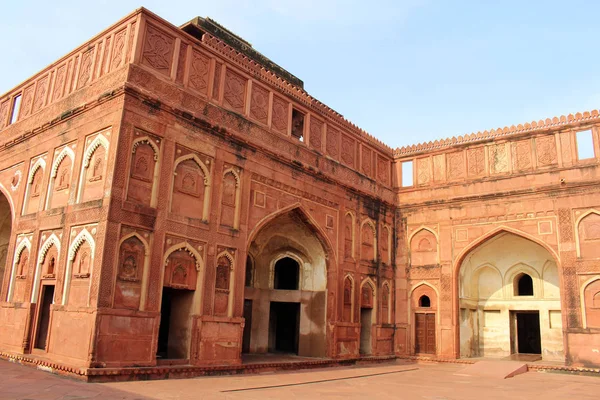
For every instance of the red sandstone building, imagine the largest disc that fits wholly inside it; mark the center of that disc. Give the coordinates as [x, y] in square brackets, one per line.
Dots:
[171, 196]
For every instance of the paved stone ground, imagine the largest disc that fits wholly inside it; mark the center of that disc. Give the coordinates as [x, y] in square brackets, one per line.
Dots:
[389, 381]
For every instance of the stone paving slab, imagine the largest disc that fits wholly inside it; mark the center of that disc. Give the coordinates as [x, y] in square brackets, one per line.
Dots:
[399, 380]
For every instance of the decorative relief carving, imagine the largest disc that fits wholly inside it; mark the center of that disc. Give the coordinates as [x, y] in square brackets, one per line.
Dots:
[158, 50]
[333, 137]
[456, 165]
[235, 91]
[259, 104]
[366, 296]
[131, 259]
[199, 72]
[117, 53]
[498, 158]
[290, 189]
[40, 93]
[565, 146]
[546, 150]
[280, 115]
[439, 167]
[85, 70]
[383, 170]
[4, 113]
[476, 161]
[348, 150]
[316, 133]
[366, 161]
[523, 155]
[26, 102]
[423, 170]
[348, 236]
[59, 83]
[565, 225]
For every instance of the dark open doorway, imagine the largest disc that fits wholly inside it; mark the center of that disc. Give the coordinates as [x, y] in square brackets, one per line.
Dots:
[247, 326]
[365, 330]
[284, 327]
[287, 274]
[528, 332]
[173, 332]
[46, 300]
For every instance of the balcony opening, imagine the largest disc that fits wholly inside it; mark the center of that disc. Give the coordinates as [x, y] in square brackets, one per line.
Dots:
[407, 173]
[585, 145]
[298, 125]
[16, 107]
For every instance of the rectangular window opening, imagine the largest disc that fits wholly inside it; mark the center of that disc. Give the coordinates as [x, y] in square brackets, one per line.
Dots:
[298, 125]
[585, 145]
[16, 106]
[407, 173]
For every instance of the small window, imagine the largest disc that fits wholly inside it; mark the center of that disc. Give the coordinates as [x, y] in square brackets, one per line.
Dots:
[298, 125]
[424, 301]
[15, 109]
[524, 285]
[585, 145]
[407, 173]
[287, 274]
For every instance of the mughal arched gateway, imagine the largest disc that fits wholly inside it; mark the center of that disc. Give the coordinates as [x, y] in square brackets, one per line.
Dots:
[169, 196]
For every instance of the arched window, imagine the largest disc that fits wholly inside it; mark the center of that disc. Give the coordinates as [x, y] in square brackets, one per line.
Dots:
[424, 301]
[523, 285]
[287, 274]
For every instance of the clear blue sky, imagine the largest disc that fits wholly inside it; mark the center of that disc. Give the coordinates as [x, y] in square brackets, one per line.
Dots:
[406, 71]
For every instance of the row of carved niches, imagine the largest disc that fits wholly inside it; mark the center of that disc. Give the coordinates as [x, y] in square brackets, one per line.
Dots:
[89, 184]
[483, 160]
[230, 88]
[354, 300]
[368, 242]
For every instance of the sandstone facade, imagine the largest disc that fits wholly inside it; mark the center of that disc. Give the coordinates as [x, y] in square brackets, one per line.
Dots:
[170, 196]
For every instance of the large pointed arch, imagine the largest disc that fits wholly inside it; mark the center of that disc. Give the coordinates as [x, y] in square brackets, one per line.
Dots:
[307, 218]
[473, 246]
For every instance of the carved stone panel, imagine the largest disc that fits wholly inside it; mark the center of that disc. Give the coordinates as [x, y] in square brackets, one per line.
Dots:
[332, 146]
[498, 158]
[348, 150]
[279, 120]
[439, 167]
[456, 165]
[40, 93]
[476, 161]
[118, 55]
[522, 155]
[85, 69]
[259, 104]
[423, 170]
[383, 170]
[546, 150]
[566, 148]
[158, 50]
[316, 133]
[234, 95]
[199, 67]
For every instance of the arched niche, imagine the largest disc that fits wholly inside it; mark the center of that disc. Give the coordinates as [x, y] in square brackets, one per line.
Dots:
[93, 169]
[290, 237]
[59, 187]
[486, 310]
[230, 199]
[386, 245]
[34, 190]
[588, 235]
[349, 227]
[79, 270]
[386, 303]
[590, 298]
[223, 303]
[190, 197]
[348, 301]
[368, 241]
[133, 259]
[144, 171]
[20, 270]
[6, 218]
[424, 247]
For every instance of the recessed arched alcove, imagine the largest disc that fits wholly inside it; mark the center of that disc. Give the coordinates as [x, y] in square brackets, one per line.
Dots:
[285, 307]
[424, 301]
[509, 299]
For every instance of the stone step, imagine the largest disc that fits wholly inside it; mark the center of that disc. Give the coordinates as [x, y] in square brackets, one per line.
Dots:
[494, 369]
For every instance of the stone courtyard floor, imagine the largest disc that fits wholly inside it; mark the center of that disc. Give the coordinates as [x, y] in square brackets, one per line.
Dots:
[399, 380]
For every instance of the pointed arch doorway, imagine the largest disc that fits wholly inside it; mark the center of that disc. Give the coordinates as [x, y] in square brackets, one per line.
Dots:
[285, 301]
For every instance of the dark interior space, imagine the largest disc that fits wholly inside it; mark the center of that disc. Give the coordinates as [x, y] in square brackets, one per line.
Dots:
[287, 274]
[46, 301]
[528, 332]
[284, 327]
